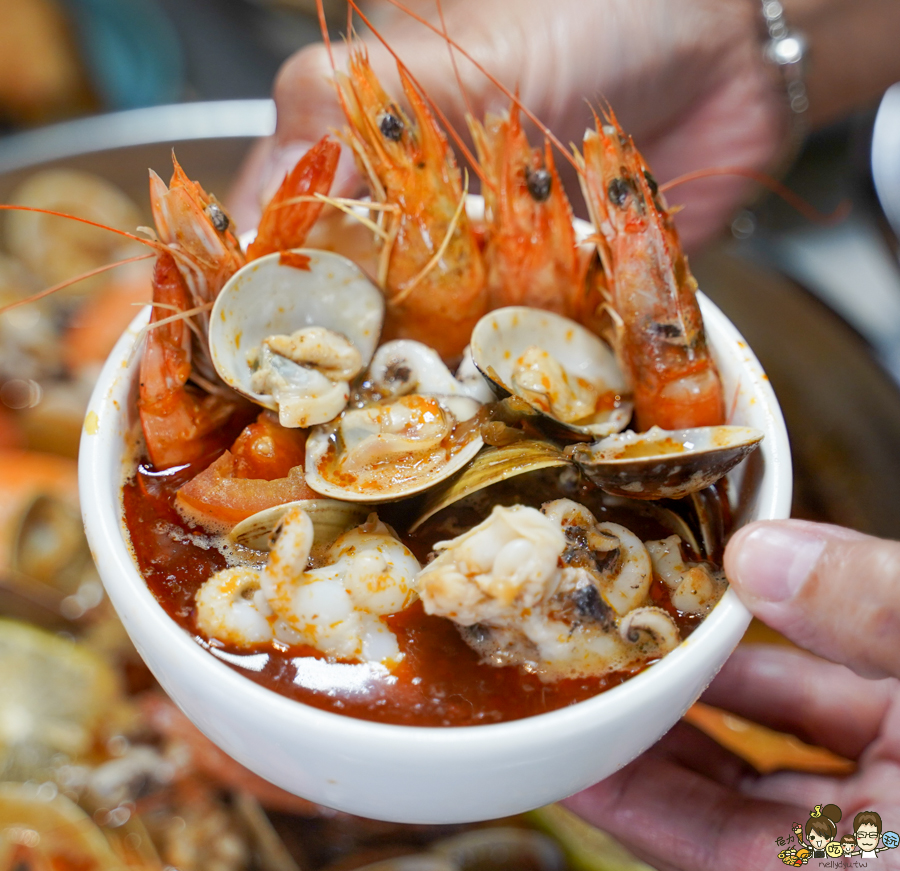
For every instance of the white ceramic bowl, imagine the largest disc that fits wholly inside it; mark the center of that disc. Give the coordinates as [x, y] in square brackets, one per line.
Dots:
[411, 774]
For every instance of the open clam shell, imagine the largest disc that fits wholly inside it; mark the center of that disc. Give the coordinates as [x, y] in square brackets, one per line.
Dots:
[504, 339]
[491, 466]
[664, 464]
[370, 454]
[277, 296]
[330, 518]
[405, 366]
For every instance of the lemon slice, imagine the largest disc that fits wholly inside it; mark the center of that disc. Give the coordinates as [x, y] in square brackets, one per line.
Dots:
[54, 696]
[36, 824]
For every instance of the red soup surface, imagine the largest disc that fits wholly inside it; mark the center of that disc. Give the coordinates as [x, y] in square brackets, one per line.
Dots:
[440, 682]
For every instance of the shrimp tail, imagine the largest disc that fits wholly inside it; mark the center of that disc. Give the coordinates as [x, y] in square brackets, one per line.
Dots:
[290, 215]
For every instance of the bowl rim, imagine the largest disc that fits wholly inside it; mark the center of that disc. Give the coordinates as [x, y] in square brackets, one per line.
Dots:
[105, 526]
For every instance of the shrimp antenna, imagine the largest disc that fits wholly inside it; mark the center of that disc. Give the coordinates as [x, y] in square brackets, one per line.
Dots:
[156, 245]
[70, 281]
[457, 139]
[491, 78]
[462, 90]
[470, 112]
[776, 187]
[323, 26]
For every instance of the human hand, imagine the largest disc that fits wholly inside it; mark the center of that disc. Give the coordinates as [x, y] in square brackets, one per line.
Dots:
[688, 803]
[686, 78]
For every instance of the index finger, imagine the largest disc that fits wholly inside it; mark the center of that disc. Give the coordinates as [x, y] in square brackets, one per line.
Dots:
[675, 818]
[790, 691]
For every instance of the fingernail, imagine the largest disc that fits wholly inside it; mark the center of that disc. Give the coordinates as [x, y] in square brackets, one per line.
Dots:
[773, 562]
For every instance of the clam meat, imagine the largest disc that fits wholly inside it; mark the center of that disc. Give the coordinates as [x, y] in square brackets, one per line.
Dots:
[555, 365]
[392, 448]
[307, 374]
[292, 338]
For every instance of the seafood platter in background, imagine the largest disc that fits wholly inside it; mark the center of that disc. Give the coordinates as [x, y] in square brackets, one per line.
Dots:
[51, 349]
[469, 465]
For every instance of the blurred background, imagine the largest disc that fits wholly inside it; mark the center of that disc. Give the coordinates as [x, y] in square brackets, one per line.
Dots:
[62, 58]
[80, 717]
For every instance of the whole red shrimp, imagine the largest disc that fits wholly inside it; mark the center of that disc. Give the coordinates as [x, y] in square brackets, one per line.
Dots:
[434, 278]
[182, 422]
[531, 252]
[659, 334]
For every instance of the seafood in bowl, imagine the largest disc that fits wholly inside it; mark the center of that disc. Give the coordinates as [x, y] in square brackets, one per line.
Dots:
[432, 544]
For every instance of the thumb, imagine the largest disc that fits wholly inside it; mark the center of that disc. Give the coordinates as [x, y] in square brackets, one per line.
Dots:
[830, 590]
[307, 110]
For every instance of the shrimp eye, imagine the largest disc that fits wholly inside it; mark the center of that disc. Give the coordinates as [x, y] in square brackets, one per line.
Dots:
[651, 183]
[391, 126]
[217, 217]
[538, 182]
[668, 331]
[618, 191]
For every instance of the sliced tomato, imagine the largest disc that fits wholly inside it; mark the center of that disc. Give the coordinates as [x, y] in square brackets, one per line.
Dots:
[264, 468]
[266, 449]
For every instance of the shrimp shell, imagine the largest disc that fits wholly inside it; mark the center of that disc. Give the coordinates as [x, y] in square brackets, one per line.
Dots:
[659, 337]
[435, 278]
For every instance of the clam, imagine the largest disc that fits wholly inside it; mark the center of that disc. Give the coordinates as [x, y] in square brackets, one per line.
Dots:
[392, 448]
[405, 366]
[290, 334]
[421, 431]
[557, 366]
[664, 464]
[329, 517]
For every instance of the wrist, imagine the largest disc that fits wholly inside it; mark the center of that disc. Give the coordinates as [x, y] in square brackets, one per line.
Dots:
[853, 54]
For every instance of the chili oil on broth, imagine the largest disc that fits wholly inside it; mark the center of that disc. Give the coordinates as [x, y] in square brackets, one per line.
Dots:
[440, 681]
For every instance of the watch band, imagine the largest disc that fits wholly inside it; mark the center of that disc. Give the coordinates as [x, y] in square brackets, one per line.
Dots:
[786, 49]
